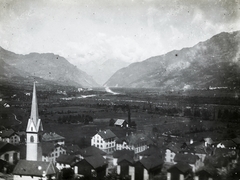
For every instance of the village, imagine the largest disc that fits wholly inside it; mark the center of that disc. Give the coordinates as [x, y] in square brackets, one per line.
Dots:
[36, 154]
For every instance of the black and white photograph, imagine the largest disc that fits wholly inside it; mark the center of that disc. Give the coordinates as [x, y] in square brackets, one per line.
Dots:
[119, 90]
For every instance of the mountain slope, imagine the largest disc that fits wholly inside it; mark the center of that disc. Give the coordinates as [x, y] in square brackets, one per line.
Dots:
[214, 62]
[46, 66]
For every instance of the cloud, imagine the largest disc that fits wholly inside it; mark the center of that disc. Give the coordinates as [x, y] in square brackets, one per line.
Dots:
[84, 31]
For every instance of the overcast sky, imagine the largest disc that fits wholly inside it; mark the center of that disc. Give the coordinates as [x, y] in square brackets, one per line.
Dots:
[97, 30]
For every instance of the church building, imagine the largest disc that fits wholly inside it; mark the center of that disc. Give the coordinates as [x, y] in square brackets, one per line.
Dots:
[33, 167]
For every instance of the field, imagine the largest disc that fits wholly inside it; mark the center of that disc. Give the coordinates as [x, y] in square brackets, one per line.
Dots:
[153, 113]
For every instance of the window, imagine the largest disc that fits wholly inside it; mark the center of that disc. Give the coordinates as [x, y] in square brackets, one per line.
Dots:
[31, 139]
[6, 157]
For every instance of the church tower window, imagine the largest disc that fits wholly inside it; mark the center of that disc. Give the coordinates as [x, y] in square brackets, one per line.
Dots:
[31, 139]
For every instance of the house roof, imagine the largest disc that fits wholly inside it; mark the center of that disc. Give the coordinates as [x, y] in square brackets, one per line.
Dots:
[51, 137]
[7, 133]
[135, 139]
[151, 162]
[150, 151]
[34, 168]
[106, 134]
[119, 153]
[47, 148]
[73, 149]
[6, 147]
[120, 122]
[126, 157]
[187, 158]
[175, 147]
[228, 143]
[95, 161]
[91, 151]
[182, 167]
[67, 159]
[236, 141]
[207, 169]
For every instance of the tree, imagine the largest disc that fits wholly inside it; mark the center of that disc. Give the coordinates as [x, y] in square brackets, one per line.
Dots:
[111, 122]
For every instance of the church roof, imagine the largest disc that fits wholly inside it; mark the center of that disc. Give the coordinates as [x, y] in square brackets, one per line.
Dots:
[34, 168]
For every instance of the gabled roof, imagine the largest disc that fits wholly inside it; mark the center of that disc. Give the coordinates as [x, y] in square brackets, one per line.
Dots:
[91, 151]
[95, 161]
[7, 133]
[120, 122]
[151, 162]
[207, 169]
[106, 134]
[135, 139]
[51, 137]
[228, 143]
[182, 167]
[6, 147]
[67, 159]
[187, 158]
[47, 148]
[150, 151]
[34, 168]
[126, 157]
[236, 141]
[73, 149]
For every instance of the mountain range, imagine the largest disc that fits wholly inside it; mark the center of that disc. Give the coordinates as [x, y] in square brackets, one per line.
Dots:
[212, 63]
[46, 67]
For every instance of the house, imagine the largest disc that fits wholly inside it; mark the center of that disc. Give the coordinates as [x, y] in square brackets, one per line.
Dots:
[148, 168]
[120, 153]
[121, 123]
[54, 138]
[34, 170]
[206, 173]
[10, 136]
[9, 152]
[192, 160]
[171, 151]
[51, 151]
[136, 142]
[92, 166]
[179, 171]
[125, 166]
[66, 161]
[104, 140]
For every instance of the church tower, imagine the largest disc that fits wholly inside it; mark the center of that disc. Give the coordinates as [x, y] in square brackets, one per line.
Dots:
[34, 128]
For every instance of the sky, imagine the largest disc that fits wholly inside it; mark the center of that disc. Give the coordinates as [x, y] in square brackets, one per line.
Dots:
[98, 30]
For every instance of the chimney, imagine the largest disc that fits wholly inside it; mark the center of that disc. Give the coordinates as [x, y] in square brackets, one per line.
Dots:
[129, 117]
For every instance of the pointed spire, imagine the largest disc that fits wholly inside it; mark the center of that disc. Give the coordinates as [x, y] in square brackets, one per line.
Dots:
[34, 108]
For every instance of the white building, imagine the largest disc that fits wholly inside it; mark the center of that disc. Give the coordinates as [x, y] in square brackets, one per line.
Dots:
[104, 140]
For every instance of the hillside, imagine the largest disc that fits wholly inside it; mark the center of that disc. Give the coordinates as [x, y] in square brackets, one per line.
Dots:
[214, 63]
[49, 67]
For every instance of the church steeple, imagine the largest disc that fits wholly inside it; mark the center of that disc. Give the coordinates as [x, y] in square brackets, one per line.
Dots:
[34, 127]
[34, 123]
[34, 108]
